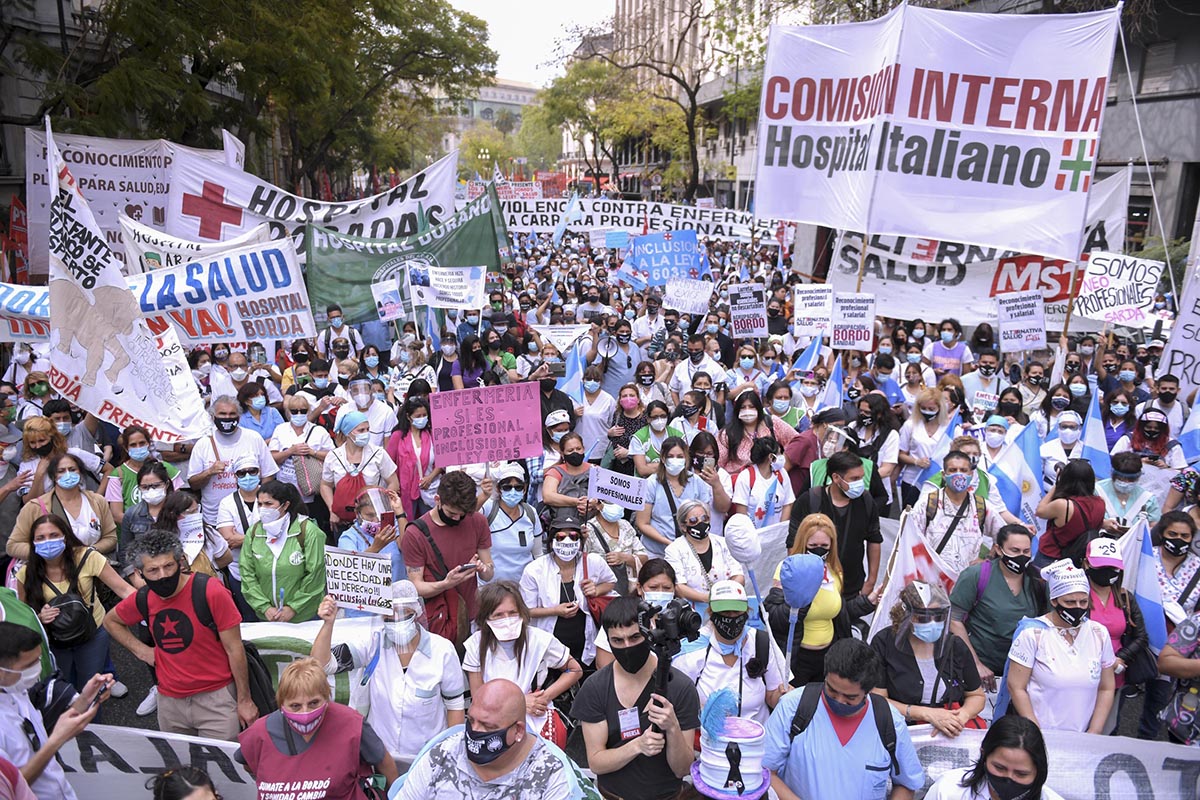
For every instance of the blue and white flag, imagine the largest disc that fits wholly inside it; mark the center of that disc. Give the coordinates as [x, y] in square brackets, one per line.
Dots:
[1189, 436]
[635, 279]
[1095, 446]
[431, 330]
[1017, 473]
[940, 450]
[668, 254]
[1141, 578]
[808, 359]
[834, 391]
[572, 213]
[571, 383]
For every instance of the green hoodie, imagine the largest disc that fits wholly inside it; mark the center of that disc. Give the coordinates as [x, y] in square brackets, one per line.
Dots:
[298, 571]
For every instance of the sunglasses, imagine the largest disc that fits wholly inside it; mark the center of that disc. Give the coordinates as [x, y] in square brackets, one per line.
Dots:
[562, 537]
[505, 487]
[242, 473]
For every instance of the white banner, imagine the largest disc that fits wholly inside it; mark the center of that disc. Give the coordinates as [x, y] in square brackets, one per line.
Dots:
[1021, 318]
[688, 296]
[1119, 290]
[388, 303]
[359, 581]
[214, 202]
[748, 310]
[978, 127]
[1082, 766]
[925, 278]
[812, 309]
[563, 337]
[147, 249]
[104, 357]
[853, 321]
[630, 216]
[116, 176]
[613, 487]
[447, 287]
[507, 190]
[1181, 356]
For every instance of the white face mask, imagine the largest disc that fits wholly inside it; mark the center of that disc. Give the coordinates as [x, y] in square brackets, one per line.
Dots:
[506, 630]
[675, 466]
[808, 390]
[993, 438]
[1068, 435]
[659, 599]
[238, 374]
[658, 424]
[566, 550]
[748, 415]
[28, 677]
[154, 496]
[612, 512]
[275, 528]
[401, 631]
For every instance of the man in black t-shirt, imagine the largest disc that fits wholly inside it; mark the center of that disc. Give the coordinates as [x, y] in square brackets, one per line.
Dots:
[617, 706]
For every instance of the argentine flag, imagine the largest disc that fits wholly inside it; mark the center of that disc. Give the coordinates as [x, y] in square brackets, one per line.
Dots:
[834, 391]
[571, 383]
[1095, 448]
[1189, 436]
[432, 330]
[809, 358]
[940, 451]
[1141, 578]
[572, 213]
[1017, 474]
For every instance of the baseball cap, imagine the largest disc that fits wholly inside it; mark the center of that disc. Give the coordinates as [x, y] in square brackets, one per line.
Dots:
[557, 417]
[1105, 553]
[728, 596]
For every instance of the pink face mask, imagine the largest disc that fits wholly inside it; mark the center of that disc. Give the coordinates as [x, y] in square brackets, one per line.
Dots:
[629, 403]
[305, 722]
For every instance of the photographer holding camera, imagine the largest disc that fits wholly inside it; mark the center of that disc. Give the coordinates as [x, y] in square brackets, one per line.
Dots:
[639, 715]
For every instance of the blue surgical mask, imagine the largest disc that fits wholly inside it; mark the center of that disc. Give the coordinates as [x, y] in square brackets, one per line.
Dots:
[913, 358]
[405, 357]
[781, 406]
[1077, 389]
[947, 337]
[844, 709]
[248, 483]
[855, 489]
[612, 512]
[660, 599]
[258, 403]
[321, 383]
[928, 631]
[299, 420]
[420, 422]
[1126, 376]
[511, 497]
[50, 548]
[885, 350]
[361, 439]
[1124, 487]
[68, 480]
[746, 363]
[591, 387]
[1119, 409]
[556, 436]
[139, 453]
[381, 396]
[371, 361]
[710, 328]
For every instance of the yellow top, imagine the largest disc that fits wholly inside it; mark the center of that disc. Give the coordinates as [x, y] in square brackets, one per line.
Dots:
[818, 625]
[89, 574]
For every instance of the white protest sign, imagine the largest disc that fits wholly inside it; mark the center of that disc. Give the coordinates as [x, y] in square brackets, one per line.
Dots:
[191, 535]
[985, 400]
[1119, 290]
[853, 321]
[562, 336]
[688, 296]
[613, 487]
[447, 287]
[387, 300]
[748, 310]
[597, 237]
[634, 216]
[1181, 356]
[1021, 317]
[147, 249]
[812, 309]
[359, 581]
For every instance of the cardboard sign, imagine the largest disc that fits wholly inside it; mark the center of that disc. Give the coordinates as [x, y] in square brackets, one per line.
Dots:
[359, 581]
[748, 310]
[812, 309]
[1119, 290]
[447, 287]
[492, 423]
[688, 296]
[1021, 317]
[1181, 356]
[613, 487]
[853, 321]
[388, 304]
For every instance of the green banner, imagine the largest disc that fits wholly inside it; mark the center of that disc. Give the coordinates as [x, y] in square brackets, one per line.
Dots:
[341, 268]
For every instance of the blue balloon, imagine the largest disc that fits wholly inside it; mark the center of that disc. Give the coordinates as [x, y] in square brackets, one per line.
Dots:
[801, 576]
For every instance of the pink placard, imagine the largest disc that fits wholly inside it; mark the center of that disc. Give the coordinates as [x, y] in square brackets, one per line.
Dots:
[492, 423]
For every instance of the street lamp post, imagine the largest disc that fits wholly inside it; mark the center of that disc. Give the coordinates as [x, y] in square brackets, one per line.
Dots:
[484, 156]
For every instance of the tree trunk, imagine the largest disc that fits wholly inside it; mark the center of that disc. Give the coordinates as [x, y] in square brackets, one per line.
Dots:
[693, 150]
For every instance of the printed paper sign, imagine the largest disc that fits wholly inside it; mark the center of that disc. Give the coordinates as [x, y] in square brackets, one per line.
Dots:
[853, 321]
[359, 581]
[447, 287]
[663, 256]
[630, 217]
[1119, 290]
[1181, 356]
[613, 487]
[616, 240]
[985, 400]
[688, 296]
[812, 309]
[748, 310]
[1021, 317]
[935, 123]
[387, 300]
[491, 423]
[563, 337]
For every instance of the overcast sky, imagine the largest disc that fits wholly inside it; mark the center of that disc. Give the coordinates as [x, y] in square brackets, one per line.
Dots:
[524, 32]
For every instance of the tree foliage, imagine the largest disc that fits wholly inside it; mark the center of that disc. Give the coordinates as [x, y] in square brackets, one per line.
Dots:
[483, 136]
[538, 139]
[318, 72]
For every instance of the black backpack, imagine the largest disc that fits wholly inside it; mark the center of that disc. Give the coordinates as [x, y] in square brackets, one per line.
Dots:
[262, 688]
[881, 710]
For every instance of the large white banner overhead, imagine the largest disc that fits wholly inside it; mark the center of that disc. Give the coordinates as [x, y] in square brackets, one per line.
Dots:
[973, 127]
[117, 176]
[103, 356]
[636, 216]
[922, 278]
[147, 249]
[214, 203]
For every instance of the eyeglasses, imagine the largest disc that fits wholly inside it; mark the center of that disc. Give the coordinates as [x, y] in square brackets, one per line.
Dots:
[242, 473]
[508, 487]
[150, 487]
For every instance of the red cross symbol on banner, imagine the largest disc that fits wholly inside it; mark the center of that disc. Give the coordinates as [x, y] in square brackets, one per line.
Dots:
[667, 236]
[211, 209]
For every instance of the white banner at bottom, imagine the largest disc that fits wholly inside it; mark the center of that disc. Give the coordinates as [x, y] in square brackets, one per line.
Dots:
[1082, 766]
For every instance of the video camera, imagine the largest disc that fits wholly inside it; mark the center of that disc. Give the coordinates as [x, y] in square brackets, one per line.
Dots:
[674, 623]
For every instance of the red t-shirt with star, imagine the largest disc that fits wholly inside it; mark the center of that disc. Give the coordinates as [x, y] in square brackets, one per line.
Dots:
[188, 657]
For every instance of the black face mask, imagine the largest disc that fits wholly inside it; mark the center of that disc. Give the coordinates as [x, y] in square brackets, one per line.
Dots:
[1167, 397]
[1103, 576]
[1015, 564]
[623, 338]
[1074, 617]
[44, 450]
[574, 459]
[646, 380]
[853, 393]
[866, 419]
[632, 658]
[227, 426]
[730, 628]
[688, 410]
[696, 357]
[669, 324]
[1008, 789]
[820, 551]
[300, 358]
[447, 520]
[698, 531]
[484, 747]
[987, 371]
[1175, 547]
[341, 354]
[1008, 409]
[1072, 368]
[1151, 434]
[548, 384]
[163, 587]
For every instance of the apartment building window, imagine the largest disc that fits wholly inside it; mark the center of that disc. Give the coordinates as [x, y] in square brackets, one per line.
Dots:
[1158, 64]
